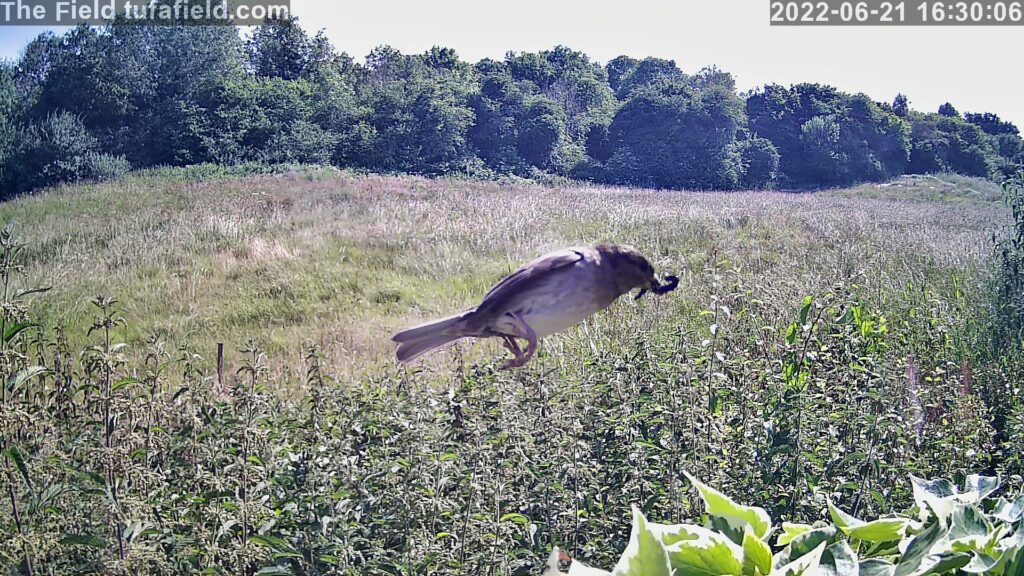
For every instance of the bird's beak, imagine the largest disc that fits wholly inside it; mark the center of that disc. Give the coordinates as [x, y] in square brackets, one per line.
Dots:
[670, 284]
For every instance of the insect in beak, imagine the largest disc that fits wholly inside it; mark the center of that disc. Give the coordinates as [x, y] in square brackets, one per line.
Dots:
[670, 284]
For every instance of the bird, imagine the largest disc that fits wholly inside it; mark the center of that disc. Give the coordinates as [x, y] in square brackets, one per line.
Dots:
[548, 295]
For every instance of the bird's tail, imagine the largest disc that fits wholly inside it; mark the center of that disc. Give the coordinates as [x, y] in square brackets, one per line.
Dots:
[424, 338]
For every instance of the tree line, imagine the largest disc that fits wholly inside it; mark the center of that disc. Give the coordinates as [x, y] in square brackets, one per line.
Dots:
[95, 102]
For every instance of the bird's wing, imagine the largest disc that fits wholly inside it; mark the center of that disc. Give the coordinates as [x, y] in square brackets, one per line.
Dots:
[520, 279]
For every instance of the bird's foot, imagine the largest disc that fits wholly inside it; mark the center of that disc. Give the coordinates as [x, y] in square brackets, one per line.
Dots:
[513, 347]
[516, 362]
[521, 356]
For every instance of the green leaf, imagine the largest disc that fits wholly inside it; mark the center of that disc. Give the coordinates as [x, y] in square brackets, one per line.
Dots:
[757, 555]
[644, 555]
[698, 551]
[124, 382]
[736, 515]
[938, 496]
[805, 544]
[515, 519]
[15, 329]
[274, 570]
[1008, 511]
[792, 332]
[804, 565]
[945, 562]
[790, 531]
[966, 520]
[1006, 551]
[842, 520]
[982, 543]
[913, 559]
[49, 494]
[83, 540]
[805, 308]
[24, 293]
[280, 546]
[881, 530]
[979, 487]
[979, 564]
[839, 560]
[15, 455]
[876, 567]
[940, 488]
[25, 375]
[1015, 562]
[138, 529]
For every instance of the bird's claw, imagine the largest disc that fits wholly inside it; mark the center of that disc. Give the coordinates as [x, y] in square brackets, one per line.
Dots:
[516, 362]
[521, 356]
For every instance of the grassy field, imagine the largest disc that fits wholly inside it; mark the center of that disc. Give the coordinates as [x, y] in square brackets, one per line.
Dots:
[819, 345]
[343, 261]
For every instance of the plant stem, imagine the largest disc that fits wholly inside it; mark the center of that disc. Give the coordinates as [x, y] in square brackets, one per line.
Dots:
[8, 248]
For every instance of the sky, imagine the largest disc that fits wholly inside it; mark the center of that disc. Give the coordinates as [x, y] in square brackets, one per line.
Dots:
[977, 69]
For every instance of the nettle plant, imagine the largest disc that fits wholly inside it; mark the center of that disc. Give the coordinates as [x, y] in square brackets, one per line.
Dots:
[949, 531]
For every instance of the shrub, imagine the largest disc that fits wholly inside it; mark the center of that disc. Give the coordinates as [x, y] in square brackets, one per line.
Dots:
[948, 532]
[106, 166]
[59, 149]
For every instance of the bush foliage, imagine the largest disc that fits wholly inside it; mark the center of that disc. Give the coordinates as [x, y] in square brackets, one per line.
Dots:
[949, 531]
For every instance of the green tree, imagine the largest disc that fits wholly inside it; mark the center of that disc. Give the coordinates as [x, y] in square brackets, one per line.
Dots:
[826, 137]
[10, 127]
[418, 114]
[498, 107]
[991, 123]
[950, 144]
[578, 86]
[671, 134]
[901, 106]
[82, 75]
[620, 68]
[337, 110]
[541, 130]
[648, 71]
[760, 162]
[282, 49]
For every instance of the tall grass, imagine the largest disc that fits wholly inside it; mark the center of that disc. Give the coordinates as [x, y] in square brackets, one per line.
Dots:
[779, 372]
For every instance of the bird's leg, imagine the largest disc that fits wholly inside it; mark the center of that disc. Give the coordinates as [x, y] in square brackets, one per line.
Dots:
[524, 331]
[512, 346]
